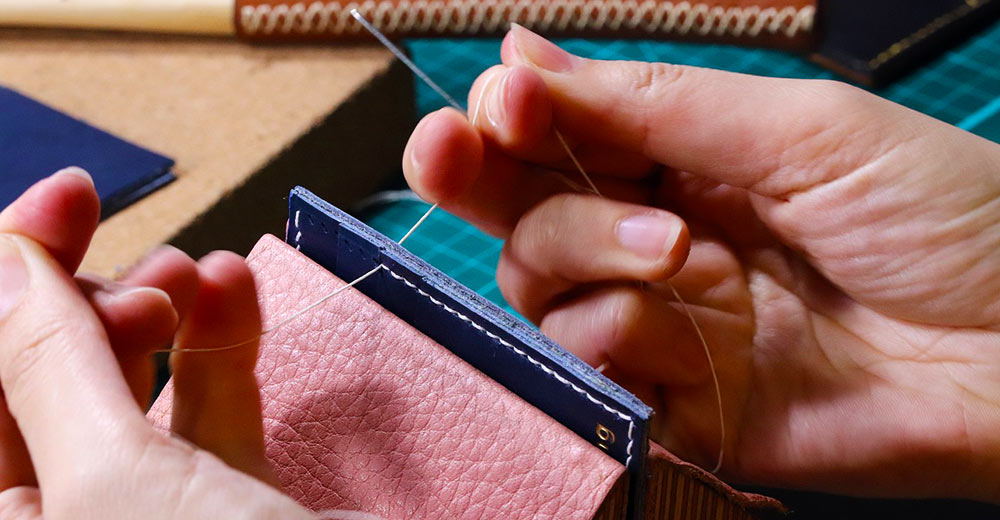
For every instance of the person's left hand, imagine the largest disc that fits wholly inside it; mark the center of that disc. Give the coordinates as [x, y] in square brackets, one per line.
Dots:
[76, 373]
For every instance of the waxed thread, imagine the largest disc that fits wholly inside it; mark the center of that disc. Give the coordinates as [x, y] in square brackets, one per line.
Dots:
[311, 306]
[687, 310]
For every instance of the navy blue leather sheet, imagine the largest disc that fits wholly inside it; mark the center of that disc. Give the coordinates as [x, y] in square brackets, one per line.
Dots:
[487, 337]
[36, 141]
[877, 41]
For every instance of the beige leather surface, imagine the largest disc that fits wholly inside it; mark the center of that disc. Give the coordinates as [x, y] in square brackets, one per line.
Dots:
[243, 121]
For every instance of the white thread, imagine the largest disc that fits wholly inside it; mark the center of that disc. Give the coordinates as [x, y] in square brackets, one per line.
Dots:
[579, 167]
[317, 303]
[477, 16]
[547, 370]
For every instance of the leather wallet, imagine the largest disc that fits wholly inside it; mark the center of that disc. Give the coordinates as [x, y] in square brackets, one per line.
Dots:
[410, 396]
[778, 23]
[36, 141]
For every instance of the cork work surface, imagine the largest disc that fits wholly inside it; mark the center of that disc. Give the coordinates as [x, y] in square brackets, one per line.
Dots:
[227, 112]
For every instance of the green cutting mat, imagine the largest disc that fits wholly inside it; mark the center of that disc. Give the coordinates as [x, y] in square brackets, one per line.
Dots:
[961, 87]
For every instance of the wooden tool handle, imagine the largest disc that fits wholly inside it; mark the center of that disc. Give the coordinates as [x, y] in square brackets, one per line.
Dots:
[177, 16]
[783, 23]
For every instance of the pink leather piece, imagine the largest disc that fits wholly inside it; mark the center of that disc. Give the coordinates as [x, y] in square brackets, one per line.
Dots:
[364, 412]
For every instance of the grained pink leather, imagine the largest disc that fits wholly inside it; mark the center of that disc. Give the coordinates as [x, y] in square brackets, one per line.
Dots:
[364, 412]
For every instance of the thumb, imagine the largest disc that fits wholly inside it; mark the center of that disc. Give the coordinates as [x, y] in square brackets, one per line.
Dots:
[764, 134]
[60, 378]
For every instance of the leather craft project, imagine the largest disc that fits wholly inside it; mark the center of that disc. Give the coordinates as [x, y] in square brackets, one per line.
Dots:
[36, 141]
[781, 23]
[875, 41]
[412, 397]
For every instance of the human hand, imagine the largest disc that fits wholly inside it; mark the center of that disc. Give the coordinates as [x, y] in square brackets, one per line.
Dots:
[75, 367]
[840, 252]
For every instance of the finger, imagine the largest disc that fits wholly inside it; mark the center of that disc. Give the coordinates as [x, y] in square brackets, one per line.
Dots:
[446, 162]
[170, 270]
[138, 320]
[21, 503]
[570, 239]
[60, 213]
[636, 331]
[216, 399]
[511, 107]
[61, 380]
[649, 345]
[737, 129]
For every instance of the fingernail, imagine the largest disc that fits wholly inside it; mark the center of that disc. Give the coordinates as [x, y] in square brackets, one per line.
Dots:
[76, 172]
[116, 292]
[496, 110]
[648, 236]
[13, 276]
[414, 151]
[540, 52]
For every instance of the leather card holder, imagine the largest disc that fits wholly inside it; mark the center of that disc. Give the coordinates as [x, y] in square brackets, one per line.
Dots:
[491, 340]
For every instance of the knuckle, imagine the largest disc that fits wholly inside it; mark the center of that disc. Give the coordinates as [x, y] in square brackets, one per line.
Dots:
[623, 316]
[838, 97]
[546, 227]
[648, 81]
[649, 85]
[29, 354]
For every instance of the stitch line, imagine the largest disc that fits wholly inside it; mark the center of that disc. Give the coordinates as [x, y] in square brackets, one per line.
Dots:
[547, 370]
[298, 231]
[473, 16]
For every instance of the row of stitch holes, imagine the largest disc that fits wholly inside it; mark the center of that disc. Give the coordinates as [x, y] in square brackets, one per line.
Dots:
[702, 24]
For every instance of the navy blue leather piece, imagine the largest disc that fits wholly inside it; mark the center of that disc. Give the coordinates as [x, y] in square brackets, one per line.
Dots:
[36, 141]
[876, 41]
[494, 342]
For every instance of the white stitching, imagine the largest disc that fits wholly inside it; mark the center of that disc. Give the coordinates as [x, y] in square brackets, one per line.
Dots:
[298, 231]
[547, 370]
[475, 16]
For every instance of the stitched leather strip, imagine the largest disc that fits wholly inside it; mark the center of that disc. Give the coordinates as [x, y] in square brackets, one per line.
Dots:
[784, 23]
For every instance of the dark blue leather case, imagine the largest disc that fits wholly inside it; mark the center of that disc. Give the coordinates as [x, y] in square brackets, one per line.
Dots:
[36, 141]
[490, 339]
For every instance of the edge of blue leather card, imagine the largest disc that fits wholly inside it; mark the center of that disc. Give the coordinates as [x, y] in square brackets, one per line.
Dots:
[487, 337]
[36, 141]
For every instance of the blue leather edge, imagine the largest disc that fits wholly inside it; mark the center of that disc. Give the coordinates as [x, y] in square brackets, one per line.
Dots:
[487, 337]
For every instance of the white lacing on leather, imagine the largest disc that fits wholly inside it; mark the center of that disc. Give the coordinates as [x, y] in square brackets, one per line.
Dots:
[478, 16]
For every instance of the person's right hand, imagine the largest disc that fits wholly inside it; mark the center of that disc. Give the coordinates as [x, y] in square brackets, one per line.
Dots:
[844, 260]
